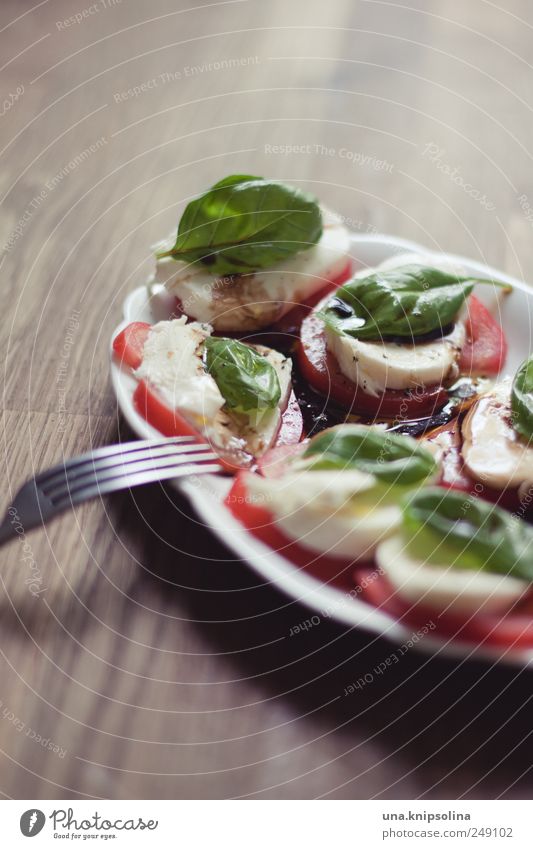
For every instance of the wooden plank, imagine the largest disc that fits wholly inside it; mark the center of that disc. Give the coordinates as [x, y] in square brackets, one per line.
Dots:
[155, 663]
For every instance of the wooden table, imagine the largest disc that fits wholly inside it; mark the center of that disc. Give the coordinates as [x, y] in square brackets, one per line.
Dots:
[137, 658]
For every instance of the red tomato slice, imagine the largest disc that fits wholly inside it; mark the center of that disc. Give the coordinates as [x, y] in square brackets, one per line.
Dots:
[514, 629]
[485, 349]
[259, 521]
[163, 418]
[129, 344]
[321, 369]
[170, 422]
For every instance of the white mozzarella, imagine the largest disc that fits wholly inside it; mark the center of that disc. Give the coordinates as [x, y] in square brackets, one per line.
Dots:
[446, 587]
[376, 366]
[320, 510]
[173, 365]
[252, 301]
[493, 453]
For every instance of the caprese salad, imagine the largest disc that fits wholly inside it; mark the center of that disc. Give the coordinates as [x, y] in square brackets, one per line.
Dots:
[361, 501]
[238, 397]
[249, 251]
[336, 496]
[392, 340]
[420, 524]
[461, 562]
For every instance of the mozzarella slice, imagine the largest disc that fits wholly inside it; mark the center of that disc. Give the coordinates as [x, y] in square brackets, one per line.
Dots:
[173, 365]
[446, 587]
[321, 511]
[493, 453]
[377, 366]
[252, 301]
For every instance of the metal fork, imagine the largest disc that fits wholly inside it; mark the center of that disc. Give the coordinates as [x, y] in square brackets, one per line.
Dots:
[104, 470]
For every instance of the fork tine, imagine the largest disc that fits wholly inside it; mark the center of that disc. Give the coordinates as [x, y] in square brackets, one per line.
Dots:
[128, 481]
[106, 470]
[121, 449]
[56, 476]
[68, 485]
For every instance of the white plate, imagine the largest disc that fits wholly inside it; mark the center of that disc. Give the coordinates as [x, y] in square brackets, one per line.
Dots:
[206, 493]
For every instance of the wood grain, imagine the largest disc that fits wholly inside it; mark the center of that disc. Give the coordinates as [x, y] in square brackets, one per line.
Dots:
[157, 665]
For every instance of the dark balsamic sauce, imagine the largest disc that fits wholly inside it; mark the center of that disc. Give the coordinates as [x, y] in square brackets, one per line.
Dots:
[317, 412]
[339, 306]
[418, 427]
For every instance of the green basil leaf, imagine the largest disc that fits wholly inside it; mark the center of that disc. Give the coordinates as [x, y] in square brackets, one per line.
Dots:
[406, 302]
[444, 525]
[244, 223]
[389, 457]
[248, 382]
[522, 400]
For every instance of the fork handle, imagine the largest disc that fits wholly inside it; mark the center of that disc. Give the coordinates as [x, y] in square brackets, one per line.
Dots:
[7, 530]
